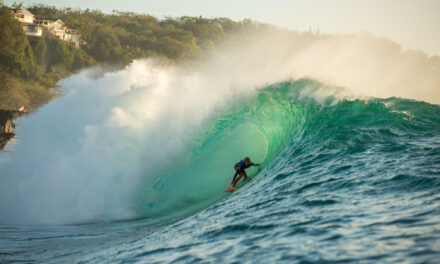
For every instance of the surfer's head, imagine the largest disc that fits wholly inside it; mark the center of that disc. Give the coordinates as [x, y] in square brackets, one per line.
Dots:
[247, 161]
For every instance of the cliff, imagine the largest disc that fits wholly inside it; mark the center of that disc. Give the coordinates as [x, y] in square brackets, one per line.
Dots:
[7, 126]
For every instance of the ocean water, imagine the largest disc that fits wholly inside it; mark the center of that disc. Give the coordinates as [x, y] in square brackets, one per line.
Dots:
[342, 180]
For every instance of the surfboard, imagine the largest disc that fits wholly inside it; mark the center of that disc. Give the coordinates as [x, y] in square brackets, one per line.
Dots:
[231, 189]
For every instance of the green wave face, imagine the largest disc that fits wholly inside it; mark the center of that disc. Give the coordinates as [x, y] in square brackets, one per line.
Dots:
[258, 127]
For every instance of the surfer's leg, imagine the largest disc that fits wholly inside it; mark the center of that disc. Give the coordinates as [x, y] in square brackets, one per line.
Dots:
[241, 173]
[245, 175]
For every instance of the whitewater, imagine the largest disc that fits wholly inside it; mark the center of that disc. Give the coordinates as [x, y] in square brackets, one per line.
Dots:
[130, 165]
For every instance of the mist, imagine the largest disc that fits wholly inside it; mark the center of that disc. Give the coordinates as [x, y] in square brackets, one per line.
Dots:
[362, 64]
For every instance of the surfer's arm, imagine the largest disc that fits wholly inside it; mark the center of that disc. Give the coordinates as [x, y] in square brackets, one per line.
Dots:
[255, 164]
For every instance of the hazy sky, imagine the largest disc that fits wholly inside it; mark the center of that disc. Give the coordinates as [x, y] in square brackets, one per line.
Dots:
[415, 24]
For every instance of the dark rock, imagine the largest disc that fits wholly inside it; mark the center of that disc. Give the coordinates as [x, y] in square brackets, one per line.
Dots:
[4, 139]
[6, 125]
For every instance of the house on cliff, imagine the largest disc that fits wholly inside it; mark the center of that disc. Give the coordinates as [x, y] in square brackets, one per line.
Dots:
[23, 15]
[27, 20]
[58, 29]
[55, 29]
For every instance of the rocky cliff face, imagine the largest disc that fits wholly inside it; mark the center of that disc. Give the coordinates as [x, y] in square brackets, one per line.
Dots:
[6, 125]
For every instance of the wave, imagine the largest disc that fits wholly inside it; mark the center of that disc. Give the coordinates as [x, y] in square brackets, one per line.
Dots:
[115, 158]
[155, 141]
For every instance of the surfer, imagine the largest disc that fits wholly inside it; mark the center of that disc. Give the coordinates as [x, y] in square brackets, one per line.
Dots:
[240, 170]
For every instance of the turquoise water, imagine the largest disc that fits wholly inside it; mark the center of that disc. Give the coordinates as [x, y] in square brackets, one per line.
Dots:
[342, 180]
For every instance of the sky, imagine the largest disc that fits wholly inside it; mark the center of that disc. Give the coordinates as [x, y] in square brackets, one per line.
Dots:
[414, 24]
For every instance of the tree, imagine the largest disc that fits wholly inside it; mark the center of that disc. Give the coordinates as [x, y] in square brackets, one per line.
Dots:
[16, 56]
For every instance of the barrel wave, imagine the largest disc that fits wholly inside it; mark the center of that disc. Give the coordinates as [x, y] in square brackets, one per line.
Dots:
[343, 178]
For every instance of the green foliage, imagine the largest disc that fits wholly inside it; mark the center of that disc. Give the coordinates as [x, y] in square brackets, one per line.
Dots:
[29, 66]
[60, 54]
[120, 37]
[15, 92]
[16, 56]
[51, 53]
[40, 50]
[105, 45]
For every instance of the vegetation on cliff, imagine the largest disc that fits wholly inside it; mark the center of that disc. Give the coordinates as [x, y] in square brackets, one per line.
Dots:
[31, 66]
[121, 37]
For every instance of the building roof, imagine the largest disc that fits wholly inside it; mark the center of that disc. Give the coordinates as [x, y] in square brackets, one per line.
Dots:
[22, 10]
[25, 11]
